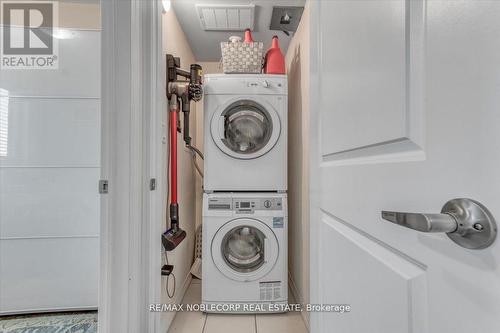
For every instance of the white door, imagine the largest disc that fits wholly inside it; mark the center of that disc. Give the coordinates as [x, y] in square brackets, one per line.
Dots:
[405, 116]
[50, 165]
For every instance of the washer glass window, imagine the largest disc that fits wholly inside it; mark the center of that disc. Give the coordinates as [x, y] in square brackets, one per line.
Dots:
[243, 248]
[247, 127]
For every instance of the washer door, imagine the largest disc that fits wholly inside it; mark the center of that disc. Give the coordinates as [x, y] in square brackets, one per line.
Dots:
[245, 249]
[245, 129]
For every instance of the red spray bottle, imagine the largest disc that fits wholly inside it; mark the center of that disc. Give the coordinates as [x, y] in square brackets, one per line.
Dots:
[275, 61]
[248, 36]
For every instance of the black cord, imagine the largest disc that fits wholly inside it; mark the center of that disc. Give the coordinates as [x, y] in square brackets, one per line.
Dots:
[196, 150]
[173, 291]
[168, 279]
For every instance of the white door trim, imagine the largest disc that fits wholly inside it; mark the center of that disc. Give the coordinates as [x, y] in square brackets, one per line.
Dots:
[131, 215]
[314, 164]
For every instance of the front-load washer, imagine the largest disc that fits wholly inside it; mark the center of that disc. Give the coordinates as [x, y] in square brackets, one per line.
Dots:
[244, 265]
[245, 119]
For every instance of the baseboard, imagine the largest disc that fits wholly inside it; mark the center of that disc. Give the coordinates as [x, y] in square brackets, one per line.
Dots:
[184, 288]
[179, 296]
[299, 299]
[48, 310]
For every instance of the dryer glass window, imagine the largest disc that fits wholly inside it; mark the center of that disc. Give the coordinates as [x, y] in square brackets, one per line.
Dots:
[247, 127]
[243, 248]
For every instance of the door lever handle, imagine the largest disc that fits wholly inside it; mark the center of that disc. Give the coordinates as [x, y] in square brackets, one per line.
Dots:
[422, 222]
[467, 222]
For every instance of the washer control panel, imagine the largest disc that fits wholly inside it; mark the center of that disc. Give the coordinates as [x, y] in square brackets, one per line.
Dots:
[248, 205]
[245, 205]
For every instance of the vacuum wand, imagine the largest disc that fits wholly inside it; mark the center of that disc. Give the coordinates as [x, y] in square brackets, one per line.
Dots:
[173, 236]
[185, 112]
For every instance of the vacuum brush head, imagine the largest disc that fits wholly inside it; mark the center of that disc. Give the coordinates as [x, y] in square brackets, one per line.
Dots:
[172, 237]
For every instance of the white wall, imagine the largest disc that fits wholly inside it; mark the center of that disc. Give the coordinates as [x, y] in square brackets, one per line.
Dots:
[78, 14]
[175, 43]
[208, 68]
[297, 62]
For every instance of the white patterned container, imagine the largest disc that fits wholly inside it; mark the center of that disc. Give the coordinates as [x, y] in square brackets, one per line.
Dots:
[240, 57]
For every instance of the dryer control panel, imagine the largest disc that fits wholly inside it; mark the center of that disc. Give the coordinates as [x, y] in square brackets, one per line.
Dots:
[245, 205]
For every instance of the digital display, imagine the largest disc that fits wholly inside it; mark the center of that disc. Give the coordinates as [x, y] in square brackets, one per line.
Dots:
[245, 204]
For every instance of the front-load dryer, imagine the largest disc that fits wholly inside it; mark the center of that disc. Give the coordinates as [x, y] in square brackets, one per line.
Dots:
[244, 265]
[245, 120]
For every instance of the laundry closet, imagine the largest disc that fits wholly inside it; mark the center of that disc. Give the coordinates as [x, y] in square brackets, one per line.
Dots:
[238, 178]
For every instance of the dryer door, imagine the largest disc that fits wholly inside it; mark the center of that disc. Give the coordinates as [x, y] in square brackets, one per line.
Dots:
[245, 249]
[245, 128]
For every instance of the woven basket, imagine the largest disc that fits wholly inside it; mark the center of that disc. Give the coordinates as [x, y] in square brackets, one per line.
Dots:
[239, 57]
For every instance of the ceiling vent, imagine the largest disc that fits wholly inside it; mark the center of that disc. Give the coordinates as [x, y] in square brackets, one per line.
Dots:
[226, 17]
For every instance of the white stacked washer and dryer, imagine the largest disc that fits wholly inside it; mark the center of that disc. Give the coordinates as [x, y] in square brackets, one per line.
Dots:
[244, 265]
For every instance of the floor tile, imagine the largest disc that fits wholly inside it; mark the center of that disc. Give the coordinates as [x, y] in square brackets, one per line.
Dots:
[193, 294]
[229, 323]
[197, 322]
[188, 322]
[290, 322]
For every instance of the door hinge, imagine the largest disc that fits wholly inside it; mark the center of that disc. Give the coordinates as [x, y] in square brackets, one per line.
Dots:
[152, 184]
[103, 186]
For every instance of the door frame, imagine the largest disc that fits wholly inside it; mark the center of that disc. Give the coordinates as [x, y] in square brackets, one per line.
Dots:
[131, 154]
[314, 163]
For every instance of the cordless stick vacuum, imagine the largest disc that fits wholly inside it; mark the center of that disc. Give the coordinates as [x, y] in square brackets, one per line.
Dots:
[179, 91]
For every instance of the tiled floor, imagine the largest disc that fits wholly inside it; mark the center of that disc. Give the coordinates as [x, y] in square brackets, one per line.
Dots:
[198, 322]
